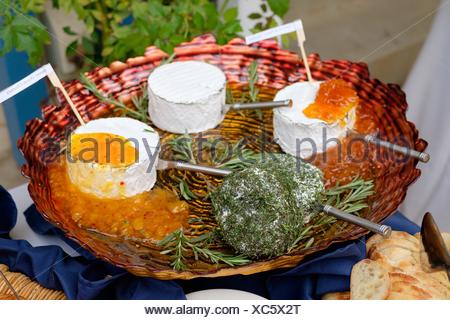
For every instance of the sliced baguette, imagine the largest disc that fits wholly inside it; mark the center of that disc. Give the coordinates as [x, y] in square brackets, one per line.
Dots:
[369, 281]
[446, 237]
[406, 240]
[396, 257]
[430, 287]
[373, 240]
[403, 290]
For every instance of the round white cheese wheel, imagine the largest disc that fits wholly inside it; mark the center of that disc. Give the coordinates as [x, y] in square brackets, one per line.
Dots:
[186, 97]
[300, 135]
[107, 180]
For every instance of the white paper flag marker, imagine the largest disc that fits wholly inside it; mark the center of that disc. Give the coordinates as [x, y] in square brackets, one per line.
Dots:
[42, 72]
[295, 26]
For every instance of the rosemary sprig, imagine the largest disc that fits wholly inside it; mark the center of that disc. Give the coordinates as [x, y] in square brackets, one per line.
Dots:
[177, 244]
[168, 59]
[226, 156]
[253, 90]
[303, 234]
[186, 193]
[139, 102]
[182, 148]
[229, 96]
[350, 197]
[240, 158]
[252, 94]
[252, 81]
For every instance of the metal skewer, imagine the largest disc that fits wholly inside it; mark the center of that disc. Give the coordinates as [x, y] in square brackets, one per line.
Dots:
[383, 230]
[260, 105]
[421, 156]
[166, 164]
[9, 285]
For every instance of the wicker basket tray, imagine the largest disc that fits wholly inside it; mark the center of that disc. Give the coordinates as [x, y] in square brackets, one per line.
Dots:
[25, 287]
[384, 106]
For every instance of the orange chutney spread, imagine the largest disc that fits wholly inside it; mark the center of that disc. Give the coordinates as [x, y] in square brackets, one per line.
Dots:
[150, 215]
[333, 101]
[103, 148]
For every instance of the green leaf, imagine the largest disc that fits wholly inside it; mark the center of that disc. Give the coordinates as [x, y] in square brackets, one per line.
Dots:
[279, 7]
[107, 51]
[22, 21]
[139, 10]
[230, 15]
[36, 6]
[98, 15]
[90, 24]
[122, 32]
[8, 37]
[71, 49]
[255, 16]
[69, 31]
[24, 42]
[198, 20]
[88, 46]
[264, 7]
[212, 14]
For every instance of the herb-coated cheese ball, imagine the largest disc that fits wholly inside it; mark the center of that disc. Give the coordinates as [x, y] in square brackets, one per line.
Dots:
[261, 210]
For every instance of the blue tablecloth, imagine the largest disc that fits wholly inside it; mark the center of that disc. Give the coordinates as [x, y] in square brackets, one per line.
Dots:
[85, 277]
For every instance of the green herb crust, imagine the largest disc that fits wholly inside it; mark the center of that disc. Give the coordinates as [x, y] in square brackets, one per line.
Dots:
[261, 210]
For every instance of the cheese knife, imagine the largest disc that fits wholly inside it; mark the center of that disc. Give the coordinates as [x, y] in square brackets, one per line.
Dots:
[434, 244]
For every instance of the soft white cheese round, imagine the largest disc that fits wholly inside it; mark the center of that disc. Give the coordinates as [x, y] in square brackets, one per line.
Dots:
[186, 97]
[300, 135]
[109, 181]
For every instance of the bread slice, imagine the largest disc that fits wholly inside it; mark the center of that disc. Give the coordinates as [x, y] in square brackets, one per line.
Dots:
[373, 240]
[403, 290]
[400, 243]
[404, 236]
[392, 256]
[430, 287]
[399, 238]
[369, 281]
[446, 237]
[404, 259]
[438, 289]
[336, 296]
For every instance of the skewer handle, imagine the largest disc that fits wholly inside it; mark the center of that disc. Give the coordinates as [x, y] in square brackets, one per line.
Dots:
[381, 229]
[260, 105]
[421, 156]
[203, 169]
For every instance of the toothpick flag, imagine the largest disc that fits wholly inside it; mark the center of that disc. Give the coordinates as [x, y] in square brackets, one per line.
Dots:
[42, 72]
[296, 26]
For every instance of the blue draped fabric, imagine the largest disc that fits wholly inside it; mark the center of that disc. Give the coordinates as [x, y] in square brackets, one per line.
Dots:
[85, 277]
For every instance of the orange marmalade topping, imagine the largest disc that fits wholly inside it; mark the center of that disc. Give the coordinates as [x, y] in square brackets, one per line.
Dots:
[149, 216]
[333, 101]
[103, 148]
